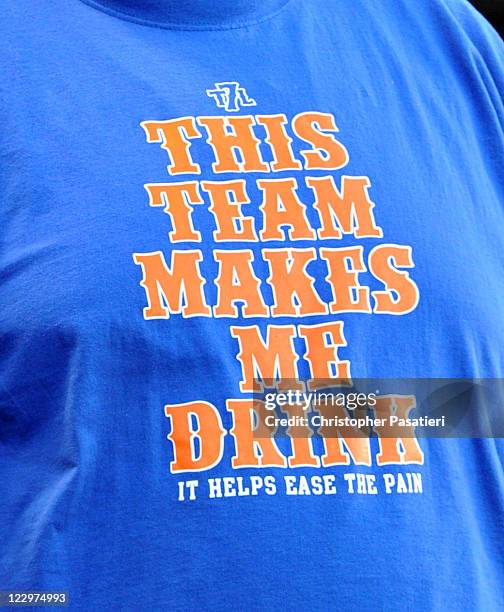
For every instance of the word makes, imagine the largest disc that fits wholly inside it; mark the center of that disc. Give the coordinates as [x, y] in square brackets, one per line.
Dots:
[177, 288]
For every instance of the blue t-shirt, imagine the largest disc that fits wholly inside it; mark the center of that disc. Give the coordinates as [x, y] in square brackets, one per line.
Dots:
[199, 196]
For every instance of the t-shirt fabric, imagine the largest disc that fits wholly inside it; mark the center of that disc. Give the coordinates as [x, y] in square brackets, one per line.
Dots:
[196, 197]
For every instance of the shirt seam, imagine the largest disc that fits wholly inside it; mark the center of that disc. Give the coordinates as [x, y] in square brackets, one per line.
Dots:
[181, 26]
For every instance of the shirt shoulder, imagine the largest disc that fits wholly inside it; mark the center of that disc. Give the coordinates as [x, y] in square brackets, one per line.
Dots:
[475, 28]
[480, 47]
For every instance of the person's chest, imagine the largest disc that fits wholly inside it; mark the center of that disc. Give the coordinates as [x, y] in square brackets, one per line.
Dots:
[192, 201]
